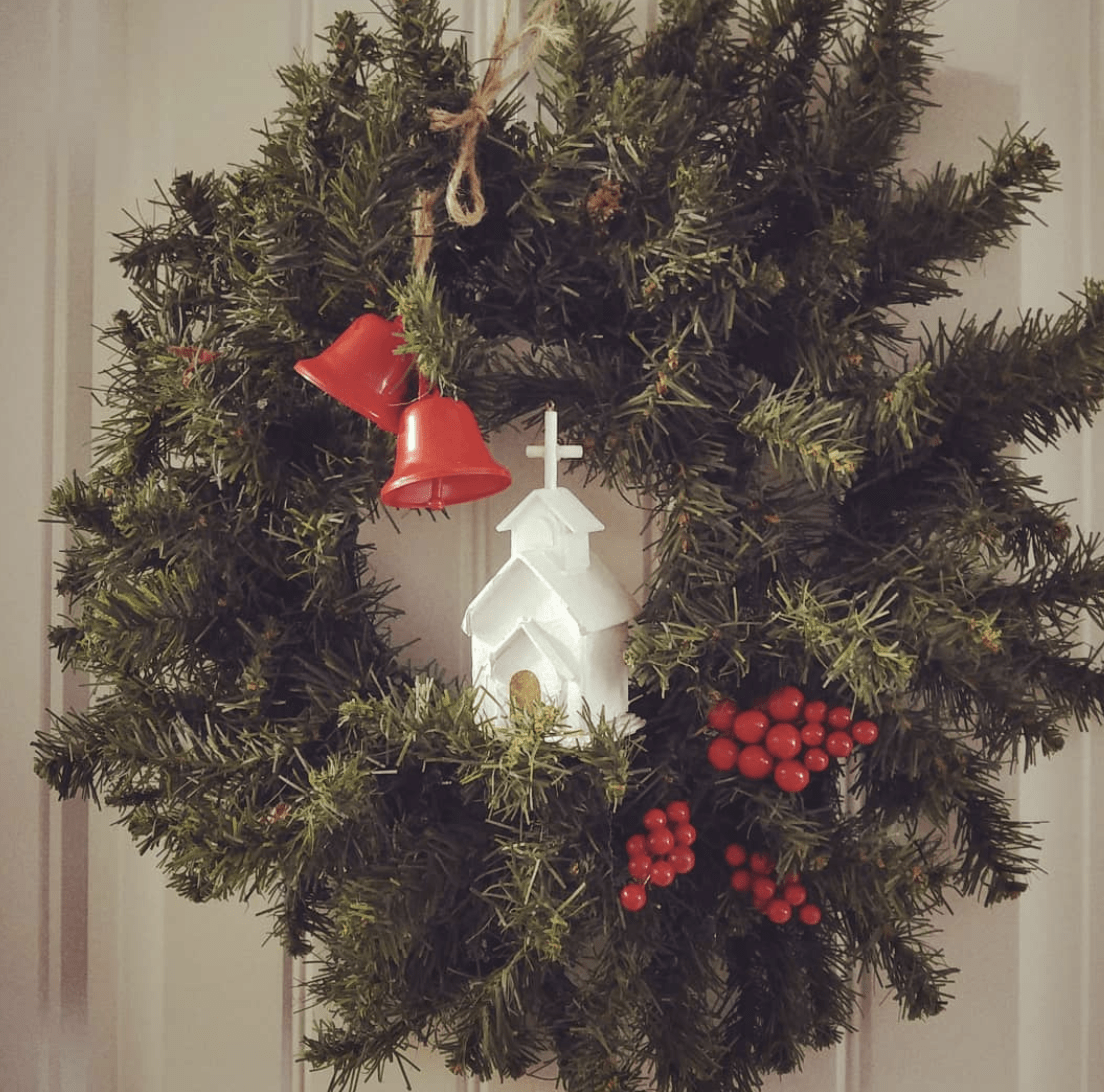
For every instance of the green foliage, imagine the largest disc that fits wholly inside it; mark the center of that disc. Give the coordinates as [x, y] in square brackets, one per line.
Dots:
[699, 248]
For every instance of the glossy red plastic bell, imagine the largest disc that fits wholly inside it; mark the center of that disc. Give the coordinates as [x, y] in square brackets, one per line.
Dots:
[440, 457]
[362, 370]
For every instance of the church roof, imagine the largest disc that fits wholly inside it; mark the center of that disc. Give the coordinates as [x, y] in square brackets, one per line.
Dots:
[562, 504]
[551, 650]
[593, 597]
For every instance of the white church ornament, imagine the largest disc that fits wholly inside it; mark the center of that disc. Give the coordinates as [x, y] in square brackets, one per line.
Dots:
[552, 624]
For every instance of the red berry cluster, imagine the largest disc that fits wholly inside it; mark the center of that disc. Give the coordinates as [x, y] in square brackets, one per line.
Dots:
[776, 898]
[660, 853]
[786, 736]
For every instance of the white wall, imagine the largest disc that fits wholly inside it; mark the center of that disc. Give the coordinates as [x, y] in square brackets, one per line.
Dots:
[110, 984]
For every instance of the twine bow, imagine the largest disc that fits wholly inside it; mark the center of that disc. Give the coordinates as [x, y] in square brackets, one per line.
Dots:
[538, 29]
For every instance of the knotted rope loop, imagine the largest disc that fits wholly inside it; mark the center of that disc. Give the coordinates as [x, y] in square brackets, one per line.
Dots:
[538, 29]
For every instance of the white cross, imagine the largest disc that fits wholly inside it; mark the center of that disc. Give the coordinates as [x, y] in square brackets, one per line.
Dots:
[552, 450]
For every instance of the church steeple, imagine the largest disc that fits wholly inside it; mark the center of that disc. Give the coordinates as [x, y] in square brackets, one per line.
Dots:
[552, 451]
[553, 520]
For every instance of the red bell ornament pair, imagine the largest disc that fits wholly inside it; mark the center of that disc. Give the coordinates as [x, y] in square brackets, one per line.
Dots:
[440, 456]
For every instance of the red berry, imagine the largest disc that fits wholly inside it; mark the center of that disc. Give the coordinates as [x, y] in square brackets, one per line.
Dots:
[839, 744]
[681, 859]
[663, 873]
[816, 760]
[791, 775]
[815, 711]
[785, 703]
[735, 855]
[809, 914]
[722, 754]
[783, 741]
[678, 811]
[654, 818]
[779, 911]
[741, 880]
[750, 726]
[812, 735]
[763, 888]
[755, 763]
[685, 834]
[794, 893]
[719, 718]
[864, 731]
[640, 867]
[660, 841]
[761, 863]
[633, 897]
[636, 845]
[839, 717]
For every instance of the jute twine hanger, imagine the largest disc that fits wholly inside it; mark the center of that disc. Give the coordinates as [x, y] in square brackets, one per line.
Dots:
[539, 28]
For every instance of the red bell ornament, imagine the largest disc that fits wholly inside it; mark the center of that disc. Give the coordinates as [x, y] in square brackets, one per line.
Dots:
[440, 458]
[362, 370]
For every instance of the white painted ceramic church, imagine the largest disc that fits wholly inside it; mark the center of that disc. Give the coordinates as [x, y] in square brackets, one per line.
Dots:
[552, 623]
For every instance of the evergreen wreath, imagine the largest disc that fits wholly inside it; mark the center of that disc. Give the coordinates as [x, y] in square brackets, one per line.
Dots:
[703, 250]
